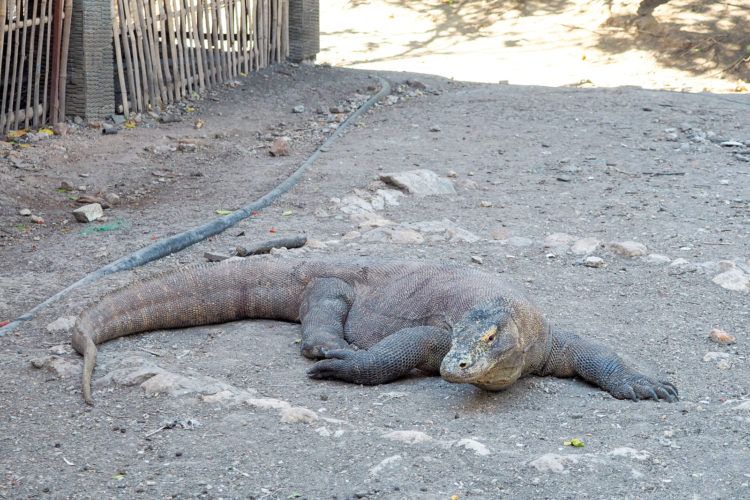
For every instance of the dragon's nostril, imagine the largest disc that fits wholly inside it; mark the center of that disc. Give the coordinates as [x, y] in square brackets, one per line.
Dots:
[462, 364]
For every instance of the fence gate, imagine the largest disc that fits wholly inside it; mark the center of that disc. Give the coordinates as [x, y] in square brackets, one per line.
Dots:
[33, 62]
[167, 49]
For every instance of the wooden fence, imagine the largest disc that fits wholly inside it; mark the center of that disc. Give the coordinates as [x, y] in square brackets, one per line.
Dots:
[165, 50]
[33, 60]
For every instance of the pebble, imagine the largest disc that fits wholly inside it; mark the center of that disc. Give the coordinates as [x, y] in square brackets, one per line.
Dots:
[485, 204]
[88, 213]
[61, 324]
[593, 261]
[585, 246]
[435, 128]
[452, 174]
[558, 240]
[409, 437]
[36, 219]
[476, 259]
[627, 248]
[298, 109]
[552, 462]
[473, 445]
[733, 279]
[60, 128]
[420, 182]
[721, 337]
[657, 259]
[280, 147]
[715, 356]
[24, 212]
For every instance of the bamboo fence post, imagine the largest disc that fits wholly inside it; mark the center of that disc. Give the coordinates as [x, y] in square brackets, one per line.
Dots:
[231, 6]
[3, 16]
[14, 67]
[242, 17]
[139, 57]
[147, 71]
[185, 49]
[47, 55]
[215, 40]
[30, 72]
[62, 86]
[43, 19]
[176, 49]
[157, 15]
[118, 59]
[133, 50]
[130, 90]
[198, 43]
[145, 18]
[201, 22]
[285, 29]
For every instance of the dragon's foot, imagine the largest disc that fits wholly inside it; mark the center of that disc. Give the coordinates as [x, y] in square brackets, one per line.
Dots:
[637, 386]
[316, 346]
[356, 367]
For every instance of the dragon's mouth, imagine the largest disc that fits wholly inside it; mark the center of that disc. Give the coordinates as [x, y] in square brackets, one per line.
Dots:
[482, 375]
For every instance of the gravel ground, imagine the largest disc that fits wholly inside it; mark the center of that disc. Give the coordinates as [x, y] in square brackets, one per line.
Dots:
[614, 165]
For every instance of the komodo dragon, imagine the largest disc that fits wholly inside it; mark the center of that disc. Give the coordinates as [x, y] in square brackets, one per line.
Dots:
[371, 321]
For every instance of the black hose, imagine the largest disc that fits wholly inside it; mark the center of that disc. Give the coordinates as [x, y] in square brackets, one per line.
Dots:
[187, 238]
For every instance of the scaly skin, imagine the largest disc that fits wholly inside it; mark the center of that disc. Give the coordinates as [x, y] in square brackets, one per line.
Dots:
[370, 321]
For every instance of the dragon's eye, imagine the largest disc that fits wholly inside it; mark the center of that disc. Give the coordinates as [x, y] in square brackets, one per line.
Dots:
[489, 335]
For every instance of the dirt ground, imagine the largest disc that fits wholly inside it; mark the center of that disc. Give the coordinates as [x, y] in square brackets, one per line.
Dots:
[668, 170]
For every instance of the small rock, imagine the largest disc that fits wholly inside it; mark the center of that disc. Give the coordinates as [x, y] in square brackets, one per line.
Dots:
[390, 196]
[409, 437]
[724, 364]
[296, 414]
[626, 451]
[394, 234]
[657, 259]
[721, 337]
[298, 108]
[60, 128]
[715, 356]
[25, 212]
[387, 463]
[499, 234]
[170, 118]
[187, 147]
[280, 147]
[681, 266]
[351, 235]
[732, 144]
[485, 204]
[551, 462]
[473, 445]
[627, 248]
[88, 213]
[592, 261]
[336, 110]
[112, 198]
[214, 256]
[519, 241]
[36, 219]
[558, 240]
[584, 246]
[452, 174]
[435, 128]
[734, 279]
[421, 182]
[476, 259]
[67, 186]
[61, 324]
[59, 366]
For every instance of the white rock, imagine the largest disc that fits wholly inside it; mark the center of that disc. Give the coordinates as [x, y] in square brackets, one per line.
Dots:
[627, 248]
[625, 451]
[59, 366]
[88, 213]
[220, 397]
[444, 230]
[353, 204]
[593, 261]
[585, 246]
[473, 445]
[519, 241]
[734, 280]
[657, 259]
[369, 220]
[387, 463]
[25, 212]
[323, 431]
[715, 356]
[351, 235]
[62, 324]
[558, 240]
[409, 437]
[297, 414]
[390, 196]
[419, 182]
[744, 406]
[552, 462]
[394, 234]
[377, 202]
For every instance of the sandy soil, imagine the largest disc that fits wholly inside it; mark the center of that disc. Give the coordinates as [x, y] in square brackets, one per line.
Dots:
[528, 161]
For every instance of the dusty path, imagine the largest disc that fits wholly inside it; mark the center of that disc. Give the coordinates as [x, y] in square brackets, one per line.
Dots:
[527, 162]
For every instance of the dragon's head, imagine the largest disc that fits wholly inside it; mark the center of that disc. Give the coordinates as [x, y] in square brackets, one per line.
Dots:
[487, 349]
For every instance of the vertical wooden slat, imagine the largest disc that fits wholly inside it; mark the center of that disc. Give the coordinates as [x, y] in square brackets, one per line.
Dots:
[198, 43]
[30, 70]
[3, 15]
[116, 30]
[46, 102]
[14, 50]
[205, 43]
[43, 21]
[62, 86]
[175, 48]
[160, 29]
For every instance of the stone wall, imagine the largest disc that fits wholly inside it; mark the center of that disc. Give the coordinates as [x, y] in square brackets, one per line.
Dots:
[90, 88]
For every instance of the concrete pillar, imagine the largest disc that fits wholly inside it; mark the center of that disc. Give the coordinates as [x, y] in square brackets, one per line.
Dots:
[304, 30]
[90, 89]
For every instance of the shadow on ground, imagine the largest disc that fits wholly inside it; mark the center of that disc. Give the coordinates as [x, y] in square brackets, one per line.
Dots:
[703, 37]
